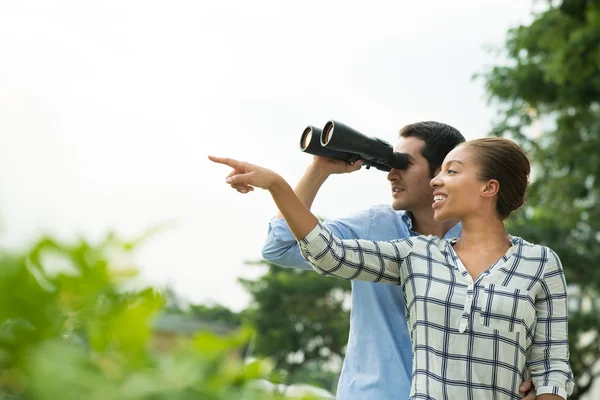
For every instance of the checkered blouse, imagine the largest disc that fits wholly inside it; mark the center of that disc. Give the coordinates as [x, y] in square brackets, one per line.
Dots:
[471, 339]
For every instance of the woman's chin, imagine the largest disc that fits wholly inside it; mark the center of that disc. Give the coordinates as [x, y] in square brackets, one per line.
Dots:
[440, 215]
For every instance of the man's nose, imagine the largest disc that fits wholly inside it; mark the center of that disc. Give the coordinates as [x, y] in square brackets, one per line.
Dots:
[393, 175]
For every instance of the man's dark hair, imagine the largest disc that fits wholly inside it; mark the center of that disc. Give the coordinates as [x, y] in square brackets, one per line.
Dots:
[439, 140]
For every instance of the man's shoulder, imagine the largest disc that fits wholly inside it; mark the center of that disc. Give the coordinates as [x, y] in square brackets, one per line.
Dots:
[374, 215]
[383, 216]
[387, 224]
[385, 210]
[378, 222]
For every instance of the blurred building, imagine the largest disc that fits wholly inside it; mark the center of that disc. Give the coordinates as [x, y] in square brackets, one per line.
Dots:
[168, 329]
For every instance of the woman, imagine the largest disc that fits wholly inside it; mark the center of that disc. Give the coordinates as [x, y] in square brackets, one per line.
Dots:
[482, 308]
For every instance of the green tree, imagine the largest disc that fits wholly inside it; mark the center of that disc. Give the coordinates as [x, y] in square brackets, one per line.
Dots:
[299, 318]
[548, 94]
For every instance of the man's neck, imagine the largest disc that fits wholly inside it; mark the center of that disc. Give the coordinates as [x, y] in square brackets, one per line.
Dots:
[424, 224]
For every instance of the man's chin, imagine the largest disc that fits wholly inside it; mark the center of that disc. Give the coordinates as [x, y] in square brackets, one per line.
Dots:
[398, 205]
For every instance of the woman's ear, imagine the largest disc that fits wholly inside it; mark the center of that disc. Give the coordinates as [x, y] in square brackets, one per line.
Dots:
[491, 188]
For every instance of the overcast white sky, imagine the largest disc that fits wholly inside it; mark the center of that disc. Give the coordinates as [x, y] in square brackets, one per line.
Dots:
[108, 110]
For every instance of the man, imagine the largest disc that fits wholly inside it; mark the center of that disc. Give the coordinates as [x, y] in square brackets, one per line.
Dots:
[378, 360]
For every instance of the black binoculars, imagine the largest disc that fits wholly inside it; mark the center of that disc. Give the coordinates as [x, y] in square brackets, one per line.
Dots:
[339, 141]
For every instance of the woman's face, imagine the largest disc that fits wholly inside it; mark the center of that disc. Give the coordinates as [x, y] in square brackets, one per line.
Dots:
[458, 189]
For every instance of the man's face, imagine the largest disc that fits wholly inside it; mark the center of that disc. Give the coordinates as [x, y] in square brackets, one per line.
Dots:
[410, 188]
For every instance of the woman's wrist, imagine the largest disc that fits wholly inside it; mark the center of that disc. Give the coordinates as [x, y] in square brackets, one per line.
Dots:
[279, 185]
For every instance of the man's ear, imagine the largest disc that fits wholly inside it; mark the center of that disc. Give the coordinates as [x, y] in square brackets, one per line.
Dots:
[436, 172]
[491, 188]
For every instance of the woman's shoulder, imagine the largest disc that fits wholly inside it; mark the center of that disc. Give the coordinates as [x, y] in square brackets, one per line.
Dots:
[533, 251]
[427, 242]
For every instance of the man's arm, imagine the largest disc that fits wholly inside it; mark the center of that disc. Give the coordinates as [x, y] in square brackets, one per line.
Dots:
[316, 174]
[281, 246]
[365, 260]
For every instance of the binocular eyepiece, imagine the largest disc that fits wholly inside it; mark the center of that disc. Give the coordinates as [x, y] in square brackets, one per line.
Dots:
[339, 141]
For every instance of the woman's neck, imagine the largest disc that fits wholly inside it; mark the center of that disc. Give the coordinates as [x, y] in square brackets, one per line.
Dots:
[484, 233]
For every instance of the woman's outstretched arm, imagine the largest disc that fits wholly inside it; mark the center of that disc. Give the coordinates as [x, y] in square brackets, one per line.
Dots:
[299, 218]
[327, 254]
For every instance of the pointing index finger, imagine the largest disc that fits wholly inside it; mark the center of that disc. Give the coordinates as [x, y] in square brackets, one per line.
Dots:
[224, 160]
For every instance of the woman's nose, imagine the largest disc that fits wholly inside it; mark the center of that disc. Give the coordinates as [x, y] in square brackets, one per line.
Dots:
[435, 182]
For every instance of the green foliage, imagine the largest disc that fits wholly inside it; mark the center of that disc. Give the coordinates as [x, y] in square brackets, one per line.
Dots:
[313, 373]
[299, 321]
[72, 327]
[297, 313]
[552, 78]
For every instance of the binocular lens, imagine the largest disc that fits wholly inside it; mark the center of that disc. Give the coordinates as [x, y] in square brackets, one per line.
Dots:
[327, 133]
[306, 136]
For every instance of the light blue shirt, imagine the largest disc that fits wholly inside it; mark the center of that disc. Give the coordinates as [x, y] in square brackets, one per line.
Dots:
[378, 360]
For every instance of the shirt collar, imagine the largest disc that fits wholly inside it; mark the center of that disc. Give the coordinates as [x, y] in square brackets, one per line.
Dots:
[407, 218]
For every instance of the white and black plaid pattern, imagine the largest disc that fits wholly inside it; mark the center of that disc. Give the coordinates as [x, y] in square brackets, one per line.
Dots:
[472, 339]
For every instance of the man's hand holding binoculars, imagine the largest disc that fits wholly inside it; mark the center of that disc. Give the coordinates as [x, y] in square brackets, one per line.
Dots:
[330, 166]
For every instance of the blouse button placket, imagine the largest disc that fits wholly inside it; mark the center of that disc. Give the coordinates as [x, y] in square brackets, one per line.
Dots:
[464, 320]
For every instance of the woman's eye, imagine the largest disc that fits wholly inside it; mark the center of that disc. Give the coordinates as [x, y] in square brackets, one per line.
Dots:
[451, 171]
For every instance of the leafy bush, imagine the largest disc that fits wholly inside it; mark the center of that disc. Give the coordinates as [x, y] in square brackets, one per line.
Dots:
[72, 326]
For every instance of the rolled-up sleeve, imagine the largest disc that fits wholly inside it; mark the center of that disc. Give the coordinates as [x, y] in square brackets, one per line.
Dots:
[281, 247]
[548, 360]
[364, 260]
